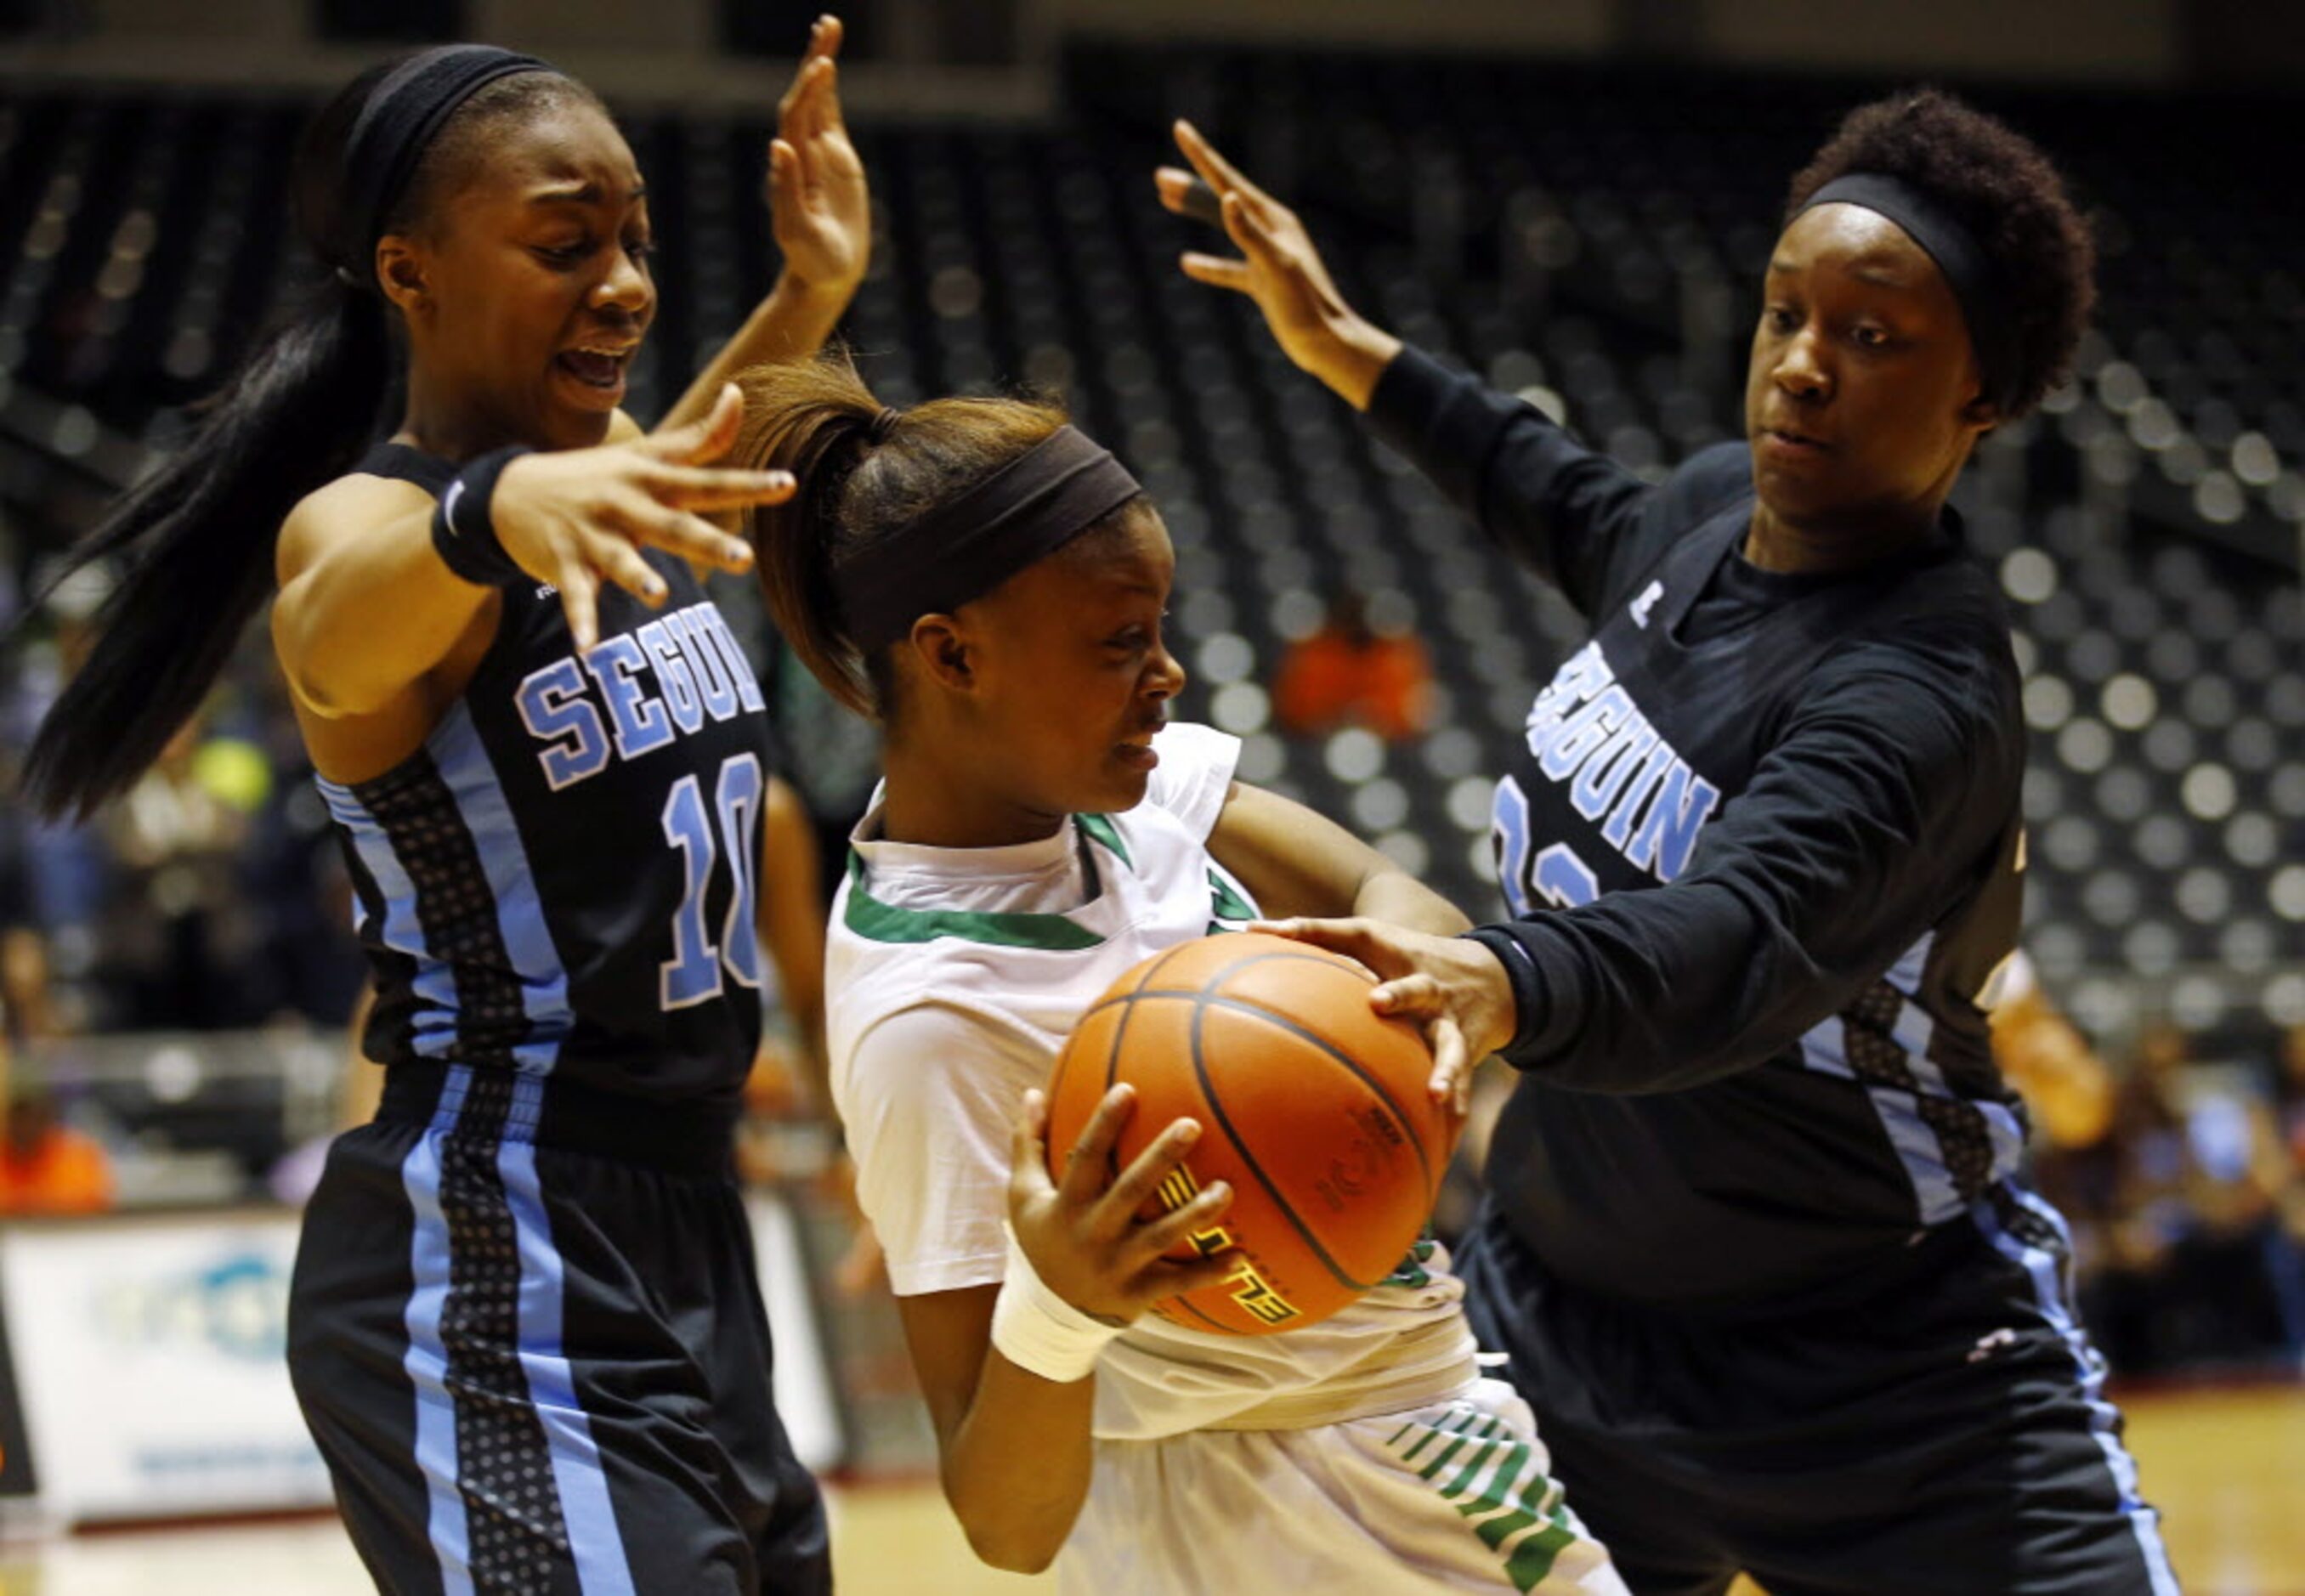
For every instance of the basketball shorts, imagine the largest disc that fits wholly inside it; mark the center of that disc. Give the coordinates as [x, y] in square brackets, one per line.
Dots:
[526, 1332]
[1458, 1496]
[1947, 1433]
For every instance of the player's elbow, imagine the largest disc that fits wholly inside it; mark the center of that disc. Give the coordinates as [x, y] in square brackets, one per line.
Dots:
[1001, 1535]
[1015, 1559]
[316, 688]
[326, 699]
[1013, 1548]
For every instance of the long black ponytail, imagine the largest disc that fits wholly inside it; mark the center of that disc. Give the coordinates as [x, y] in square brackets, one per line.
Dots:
[195, 537]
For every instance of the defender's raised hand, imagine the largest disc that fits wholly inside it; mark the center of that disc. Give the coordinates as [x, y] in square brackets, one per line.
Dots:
[1279, 268]
[818, 202]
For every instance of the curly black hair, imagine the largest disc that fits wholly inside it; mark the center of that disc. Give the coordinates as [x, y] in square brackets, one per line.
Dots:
[2004, 189]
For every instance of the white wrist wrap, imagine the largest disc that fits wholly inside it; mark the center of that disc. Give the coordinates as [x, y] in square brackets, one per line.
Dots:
[1038, 1330]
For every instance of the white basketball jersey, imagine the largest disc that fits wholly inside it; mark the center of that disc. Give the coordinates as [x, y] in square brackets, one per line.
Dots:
[955, 976]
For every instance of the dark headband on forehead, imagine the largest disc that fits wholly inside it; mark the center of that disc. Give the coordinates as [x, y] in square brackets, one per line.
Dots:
[401, 114]
[1960, 255]
[1029, 508]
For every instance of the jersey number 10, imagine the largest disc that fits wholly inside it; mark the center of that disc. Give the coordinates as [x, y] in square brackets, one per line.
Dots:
[693, 974]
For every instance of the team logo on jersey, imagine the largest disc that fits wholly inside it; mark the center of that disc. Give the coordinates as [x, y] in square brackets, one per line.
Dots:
[635, 692]
[1587, 735]
[1640, 607]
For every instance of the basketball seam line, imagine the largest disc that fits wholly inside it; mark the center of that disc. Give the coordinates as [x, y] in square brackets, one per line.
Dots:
[1248, 1160]
[1243, 1006]
[1141, 990]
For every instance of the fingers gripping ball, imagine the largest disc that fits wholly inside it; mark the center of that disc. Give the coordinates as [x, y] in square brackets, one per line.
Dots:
[1314, 1108]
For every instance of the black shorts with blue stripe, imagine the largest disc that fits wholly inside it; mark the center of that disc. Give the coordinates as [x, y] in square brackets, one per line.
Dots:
[527, 1334]
[1940, 1427]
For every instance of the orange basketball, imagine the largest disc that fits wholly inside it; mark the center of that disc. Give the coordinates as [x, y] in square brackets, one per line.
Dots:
[1312, 1107]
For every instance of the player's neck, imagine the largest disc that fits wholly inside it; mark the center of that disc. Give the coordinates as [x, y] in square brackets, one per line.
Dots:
[1829, 546]
[446, 423]
[936, 803]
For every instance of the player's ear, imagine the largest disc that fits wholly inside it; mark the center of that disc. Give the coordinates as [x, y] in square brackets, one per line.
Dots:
[943, 653]
[400, 272]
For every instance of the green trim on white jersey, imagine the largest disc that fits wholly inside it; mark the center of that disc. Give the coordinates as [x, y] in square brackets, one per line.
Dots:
[876, 922]
[1101, 830]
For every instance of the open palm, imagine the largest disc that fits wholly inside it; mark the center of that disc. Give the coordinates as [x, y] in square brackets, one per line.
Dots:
[819, 206]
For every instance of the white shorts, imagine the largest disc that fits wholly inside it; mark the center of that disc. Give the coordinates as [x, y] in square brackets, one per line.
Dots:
[1452, 1496]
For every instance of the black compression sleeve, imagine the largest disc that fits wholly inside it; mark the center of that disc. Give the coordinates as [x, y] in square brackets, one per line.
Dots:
[1873, 817]
[1545, 498]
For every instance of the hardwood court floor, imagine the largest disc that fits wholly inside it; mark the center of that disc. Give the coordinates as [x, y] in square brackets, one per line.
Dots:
[2222, 1465]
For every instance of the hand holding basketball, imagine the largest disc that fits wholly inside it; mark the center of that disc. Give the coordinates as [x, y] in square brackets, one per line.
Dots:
[1452, 988]
[1084, 1232]
[1314, 1123]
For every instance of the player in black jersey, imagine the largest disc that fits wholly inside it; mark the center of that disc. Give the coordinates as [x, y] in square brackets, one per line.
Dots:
[1757, 1241]
[525, 1327]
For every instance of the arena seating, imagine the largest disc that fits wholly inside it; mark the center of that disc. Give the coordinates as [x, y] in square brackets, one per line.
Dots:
[1587, 237]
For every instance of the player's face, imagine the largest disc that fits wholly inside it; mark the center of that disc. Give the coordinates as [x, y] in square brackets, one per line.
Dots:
[1861, 400]
[1072, 677]
[537, 286]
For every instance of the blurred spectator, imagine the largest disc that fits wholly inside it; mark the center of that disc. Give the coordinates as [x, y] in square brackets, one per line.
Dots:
[2065, 1085]
[27, 1013]
[47, 1166]
[182, 938]
[1355, 671]
[61, 873]
[830, 758]
[2289, 1096]
[2203, 1174]
[2071, 1099]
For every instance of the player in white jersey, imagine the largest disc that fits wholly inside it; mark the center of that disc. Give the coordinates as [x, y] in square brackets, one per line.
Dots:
[991, 584]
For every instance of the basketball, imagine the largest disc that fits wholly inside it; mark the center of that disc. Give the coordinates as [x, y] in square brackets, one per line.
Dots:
[1312, 1107]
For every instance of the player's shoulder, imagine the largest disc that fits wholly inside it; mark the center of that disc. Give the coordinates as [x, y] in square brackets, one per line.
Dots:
[1715, 481]
[875, 975]
[1701, 485]
[1189, 786]
[359, 495]
[1949, 607]
[345, 507]
[1938, 653]
[928, 1043]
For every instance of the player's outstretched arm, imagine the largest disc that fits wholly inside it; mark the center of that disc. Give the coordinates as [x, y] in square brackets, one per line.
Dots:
[1279, 268]
[821, 211]
[1544, 496]
[367, 605]
[1008, 1372]
[1296, 861]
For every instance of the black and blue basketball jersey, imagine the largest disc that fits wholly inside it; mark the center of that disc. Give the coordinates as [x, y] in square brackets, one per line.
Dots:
[1775, 1073]
[560, 881]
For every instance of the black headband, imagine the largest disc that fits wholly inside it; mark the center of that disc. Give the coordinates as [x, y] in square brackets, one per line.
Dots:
[1029, 508]
[1967, 268]
[403, 113]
